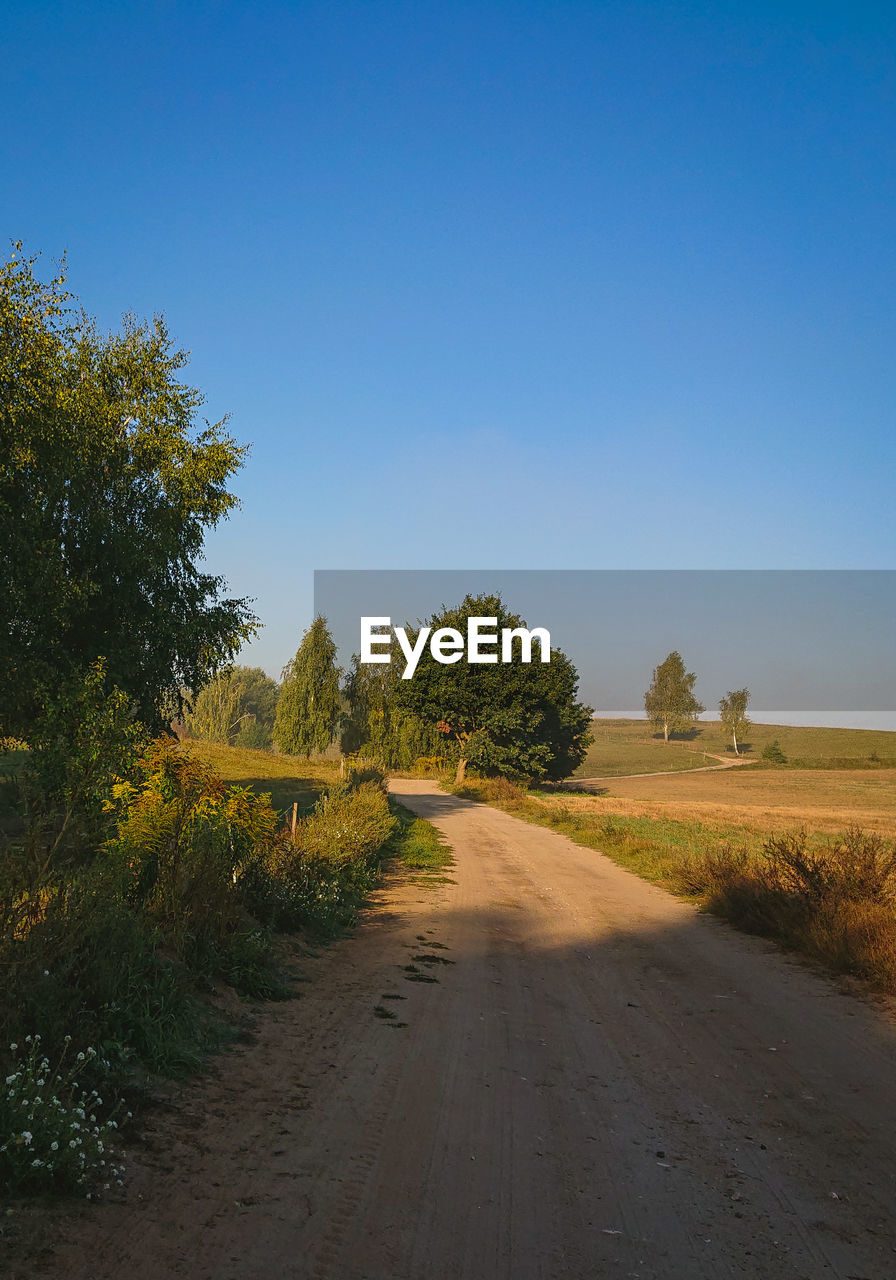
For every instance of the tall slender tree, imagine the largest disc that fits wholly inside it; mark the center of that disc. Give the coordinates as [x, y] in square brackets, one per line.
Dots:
[733, 713]
[669, 702]
[308, 709]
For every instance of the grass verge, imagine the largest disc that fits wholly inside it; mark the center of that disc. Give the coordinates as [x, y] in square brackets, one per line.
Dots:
[417, 847]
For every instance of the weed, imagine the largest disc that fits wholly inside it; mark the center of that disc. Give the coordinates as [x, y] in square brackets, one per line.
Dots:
[52, 1138]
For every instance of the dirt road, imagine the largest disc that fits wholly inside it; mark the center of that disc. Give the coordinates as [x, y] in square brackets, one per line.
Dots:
[600, 1083]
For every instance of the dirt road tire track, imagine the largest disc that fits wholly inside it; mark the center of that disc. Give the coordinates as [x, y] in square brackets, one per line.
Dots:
[603, 1084]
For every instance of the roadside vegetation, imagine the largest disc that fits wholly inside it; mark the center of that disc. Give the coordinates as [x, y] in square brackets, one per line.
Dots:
[143, 879]
[114, 940]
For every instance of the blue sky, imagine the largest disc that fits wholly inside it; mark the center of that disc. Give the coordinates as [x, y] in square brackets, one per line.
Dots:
[514, 285]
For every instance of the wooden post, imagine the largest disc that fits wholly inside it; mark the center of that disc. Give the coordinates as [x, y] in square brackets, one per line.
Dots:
[295, 815]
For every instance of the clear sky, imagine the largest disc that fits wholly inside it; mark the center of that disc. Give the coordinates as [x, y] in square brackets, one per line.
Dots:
[529, 285]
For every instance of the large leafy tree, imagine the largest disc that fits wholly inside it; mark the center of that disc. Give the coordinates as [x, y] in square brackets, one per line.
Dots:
[309, 706]
[516, 719]
[670, 702]
[108, 485]
[733, 714]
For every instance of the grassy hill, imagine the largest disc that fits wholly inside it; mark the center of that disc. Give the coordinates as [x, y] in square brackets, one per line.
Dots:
[623, 747]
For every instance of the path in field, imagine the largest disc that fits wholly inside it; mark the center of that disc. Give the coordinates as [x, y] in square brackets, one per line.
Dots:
[601, 1083]
[583, 783]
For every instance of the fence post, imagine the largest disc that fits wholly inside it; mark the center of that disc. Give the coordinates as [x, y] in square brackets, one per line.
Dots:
[295, 815]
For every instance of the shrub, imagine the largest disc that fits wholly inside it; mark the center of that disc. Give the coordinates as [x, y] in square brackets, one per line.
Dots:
[858, 868]
[185, 837]
[347, 824]
[359, 770]
[80, 962]
[81, 744]
[774, 753]
[318, 879]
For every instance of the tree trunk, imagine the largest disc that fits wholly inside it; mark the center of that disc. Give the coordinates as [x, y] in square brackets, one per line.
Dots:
[665, 730]
[461, 771]
[734, 736]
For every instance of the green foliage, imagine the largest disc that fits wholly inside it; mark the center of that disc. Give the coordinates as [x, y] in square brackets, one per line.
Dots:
[79, 961]
[309, 707]
[516, 719]
[82, 742]
[237, 707]
[101, 954]
[733, 714]
[417, 845]
[774, 752]
[107, 488]
[669, 702]
[347, 824]
[377, 724]
[317, 880]
[185, 837]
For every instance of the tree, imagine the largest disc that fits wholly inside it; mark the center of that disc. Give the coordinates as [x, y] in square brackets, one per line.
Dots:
[516, 719]
[376, 722]
[309, 705]
[669, 702]
[107, 489]
[733, 713]
[237, 706]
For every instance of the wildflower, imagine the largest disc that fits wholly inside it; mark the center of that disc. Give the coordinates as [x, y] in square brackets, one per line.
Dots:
[27, 1138]
[54, 1146]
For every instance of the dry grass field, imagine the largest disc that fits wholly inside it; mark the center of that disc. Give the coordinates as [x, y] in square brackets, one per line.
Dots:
[757, 800]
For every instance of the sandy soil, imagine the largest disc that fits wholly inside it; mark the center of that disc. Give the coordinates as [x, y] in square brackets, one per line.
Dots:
[602, 1083]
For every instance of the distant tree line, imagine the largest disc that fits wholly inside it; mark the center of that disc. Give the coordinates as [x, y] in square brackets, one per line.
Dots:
[517, 719]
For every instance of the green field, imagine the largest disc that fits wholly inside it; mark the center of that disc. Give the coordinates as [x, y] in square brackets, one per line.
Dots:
[287, 779]
[626, 746]
[623, 747]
